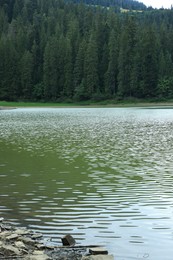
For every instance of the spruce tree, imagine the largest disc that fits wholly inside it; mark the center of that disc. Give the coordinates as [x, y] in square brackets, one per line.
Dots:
[91, 67]
[112, 71]
[26, 76]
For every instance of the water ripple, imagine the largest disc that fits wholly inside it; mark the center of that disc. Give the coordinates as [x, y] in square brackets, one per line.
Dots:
[105, 172]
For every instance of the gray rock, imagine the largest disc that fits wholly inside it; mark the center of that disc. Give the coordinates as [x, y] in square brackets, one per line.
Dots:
[20, 244]
[68, 240]
[8, 250]
[12, 236]
[98, 257]
[21, 232]
[4, 234]
[36, 236]
[98, 251]
[6, 227]
[27, 240]
[38, 255]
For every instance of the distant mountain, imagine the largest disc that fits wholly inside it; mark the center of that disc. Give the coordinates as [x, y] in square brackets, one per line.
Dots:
[118, 4]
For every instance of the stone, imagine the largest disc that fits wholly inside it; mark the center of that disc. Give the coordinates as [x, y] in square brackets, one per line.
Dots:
[40, 246]
[68, 240]
[98, 251]
[36, 236]
[5, 227]
[12, 236]
[4, 234]
[38, 252]
[20, 244]
[98, 257]
[9, 250]
[27, 240]
[49, 247]
[38, 255]
[21, 232]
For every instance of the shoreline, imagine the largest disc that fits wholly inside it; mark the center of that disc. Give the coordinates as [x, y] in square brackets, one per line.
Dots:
[22, 243]
[15, 105]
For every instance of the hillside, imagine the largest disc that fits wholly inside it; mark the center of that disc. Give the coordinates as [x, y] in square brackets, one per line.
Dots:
[57, 50]
[117, 4]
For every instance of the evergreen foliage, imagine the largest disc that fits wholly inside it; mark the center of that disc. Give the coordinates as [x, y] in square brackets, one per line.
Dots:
[62, 50]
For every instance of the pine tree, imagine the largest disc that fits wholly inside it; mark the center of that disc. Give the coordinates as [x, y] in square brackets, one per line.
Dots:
[26, 76]
[9, 77]
[91, 67]
[3, 22]
[78, 73]
[126, 57]
[112, 71]
[68, 71]
[50, 70]
[149, 62]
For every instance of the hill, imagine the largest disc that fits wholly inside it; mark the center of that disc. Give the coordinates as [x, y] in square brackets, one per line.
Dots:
[117, 4]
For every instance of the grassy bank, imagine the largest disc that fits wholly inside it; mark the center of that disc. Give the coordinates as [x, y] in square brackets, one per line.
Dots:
[106, 103]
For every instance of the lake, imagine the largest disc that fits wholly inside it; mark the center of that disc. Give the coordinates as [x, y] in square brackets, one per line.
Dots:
[103, 175]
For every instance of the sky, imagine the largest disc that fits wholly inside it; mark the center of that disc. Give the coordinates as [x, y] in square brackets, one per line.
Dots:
[157, 3]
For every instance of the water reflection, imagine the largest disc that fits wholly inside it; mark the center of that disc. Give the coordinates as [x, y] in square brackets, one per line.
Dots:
[103, 175]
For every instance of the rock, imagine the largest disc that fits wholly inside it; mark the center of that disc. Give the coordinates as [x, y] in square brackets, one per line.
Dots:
[38, 252]
[1, 219]
[98, 257]
[68, 240]
[8, 250]
[38, 255]
[4, 234]
[21, 232]
[12, 236]
[98, 251]
[36, 236]
[27, 240]
[40, 246]
[49, 247]
[5, 227]
[20, 244]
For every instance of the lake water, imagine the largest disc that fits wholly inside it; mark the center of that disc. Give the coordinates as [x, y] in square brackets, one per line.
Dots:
[104, 175]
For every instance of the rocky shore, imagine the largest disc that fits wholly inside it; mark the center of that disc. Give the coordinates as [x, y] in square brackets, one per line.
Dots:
[21, 243]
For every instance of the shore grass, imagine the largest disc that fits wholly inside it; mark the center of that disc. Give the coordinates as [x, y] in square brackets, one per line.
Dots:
[105, 103]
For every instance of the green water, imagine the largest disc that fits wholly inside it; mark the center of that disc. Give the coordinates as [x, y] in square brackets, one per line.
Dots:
[104, 175]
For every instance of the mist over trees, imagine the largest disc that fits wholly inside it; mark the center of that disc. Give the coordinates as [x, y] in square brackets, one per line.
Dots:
[60, 50]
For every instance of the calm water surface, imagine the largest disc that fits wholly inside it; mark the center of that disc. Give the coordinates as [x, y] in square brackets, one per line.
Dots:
[104, 175]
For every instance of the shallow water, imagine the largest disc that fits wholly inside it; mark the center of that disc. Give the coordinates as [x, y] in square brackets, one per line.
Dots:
[104, 175]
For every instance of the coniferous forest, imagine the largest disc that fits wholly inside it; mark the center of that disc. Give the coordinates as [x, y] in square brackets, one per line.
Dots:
[55, 50]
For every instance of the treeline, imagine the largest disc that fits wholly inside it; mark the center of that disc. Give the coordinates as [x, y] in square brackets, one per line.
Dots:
[55, 50]
[118, 4]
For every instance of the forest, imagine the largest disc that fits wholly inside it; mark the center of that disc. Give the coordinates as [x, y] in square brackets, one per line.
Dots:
[60, 50]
